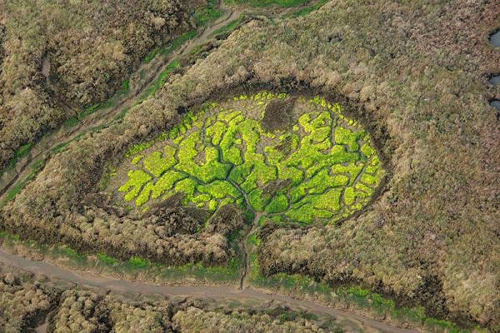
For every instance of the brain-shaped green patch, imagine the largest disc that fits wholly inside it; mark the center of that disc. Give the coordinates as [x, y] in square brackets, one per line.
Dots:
[317, 166]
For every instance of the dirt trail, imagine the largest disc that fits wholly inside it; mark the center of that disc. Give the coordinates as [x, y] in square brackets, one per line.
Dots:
[220, 292]
[42, 151]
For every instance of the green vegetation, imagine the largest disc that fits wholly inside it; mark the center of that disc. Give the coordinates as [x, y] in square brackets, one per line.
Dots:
[307, 10]
[73, 254]
[107, 260]
[207, 14]
[137, 262]
[220, 156]
[355, 295]
[265, 3]
[418, 93]
[151, 55]
[159, 82]
[228, 272]
[18, 154]
[36, 168]
[176, 43]
[125, 87]
[229, 27]
[137, 179]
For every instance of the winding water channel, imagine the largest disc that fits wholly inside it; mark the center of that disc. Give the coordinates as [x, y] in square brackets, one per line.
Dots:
[41, 152]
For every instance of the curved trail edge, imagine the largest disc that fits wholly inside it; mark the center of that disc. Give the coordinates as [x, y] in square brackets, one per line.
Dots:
[41, 151]
[224, 292]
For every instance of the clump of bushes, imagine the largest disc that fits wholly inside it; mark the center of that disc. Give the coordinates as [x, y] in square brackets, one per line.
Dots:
[22, 302]
[89, 48]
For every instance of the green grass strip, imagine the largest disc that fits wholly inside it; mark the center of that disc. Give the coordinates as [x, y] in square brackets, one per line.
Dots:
[307, 10]
[36, 168]
[360, 297]
[227, 273]
[18, 154]
[210, 13]
[267, 3]
[176, 43]
[229, 27]
[151, 55]
[160, 81]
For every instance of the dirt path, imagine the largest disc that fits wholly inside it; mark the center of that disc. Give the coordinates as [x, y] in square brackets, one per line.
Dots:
[42, 152]
[220, 292]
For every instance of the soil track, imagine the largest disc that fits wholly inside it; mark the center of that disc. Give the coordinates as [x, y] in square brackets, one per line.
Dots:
[219, 292]
[42, 152]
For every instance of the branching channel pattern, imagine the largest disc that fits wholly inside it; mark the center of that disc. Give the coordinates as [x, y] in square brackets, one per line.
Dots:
[320, 166]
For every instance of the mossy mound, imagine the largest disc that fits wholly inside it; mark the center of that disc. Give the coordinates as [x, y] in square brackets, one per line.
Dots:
[322, 167]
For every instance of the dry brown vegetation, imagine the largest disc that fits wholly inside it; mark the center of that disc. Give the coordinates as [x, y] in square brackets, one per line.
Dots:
[194, 319]
[28, 301]
[22, 303]
[89, 47]
[401, 67]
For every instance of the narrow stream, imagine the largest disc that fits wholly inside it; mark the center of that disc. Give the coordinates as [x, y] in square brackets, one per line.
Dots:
[495, 38]
[496, 104]
[494, 80]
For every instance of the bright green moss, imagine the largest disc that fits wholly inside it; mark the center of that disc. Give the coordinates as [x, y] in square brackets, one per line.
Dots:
[367, 150]
[278, 204]
[156, 164]
[340, 155]
[344, 136]
[240, 173]
[329, 200]
[186, 186]
[145, 194]
[212, 205]
[318, 183]
[219, 189]
[340, 180]
[166, 183]
[368, 179]
[258, 200]
[137, 179]
[323, 169]
[137, 159]
[215, 132]
[349, 196]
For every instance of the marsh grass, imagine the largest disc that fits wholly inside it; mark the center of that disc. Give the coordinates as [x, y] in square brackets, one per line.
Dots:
[159, 82]
[227, 29]
[357, 296]
[210, 13]
[20, 153]
[13, 192]
[266, 3]
[228, 273]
